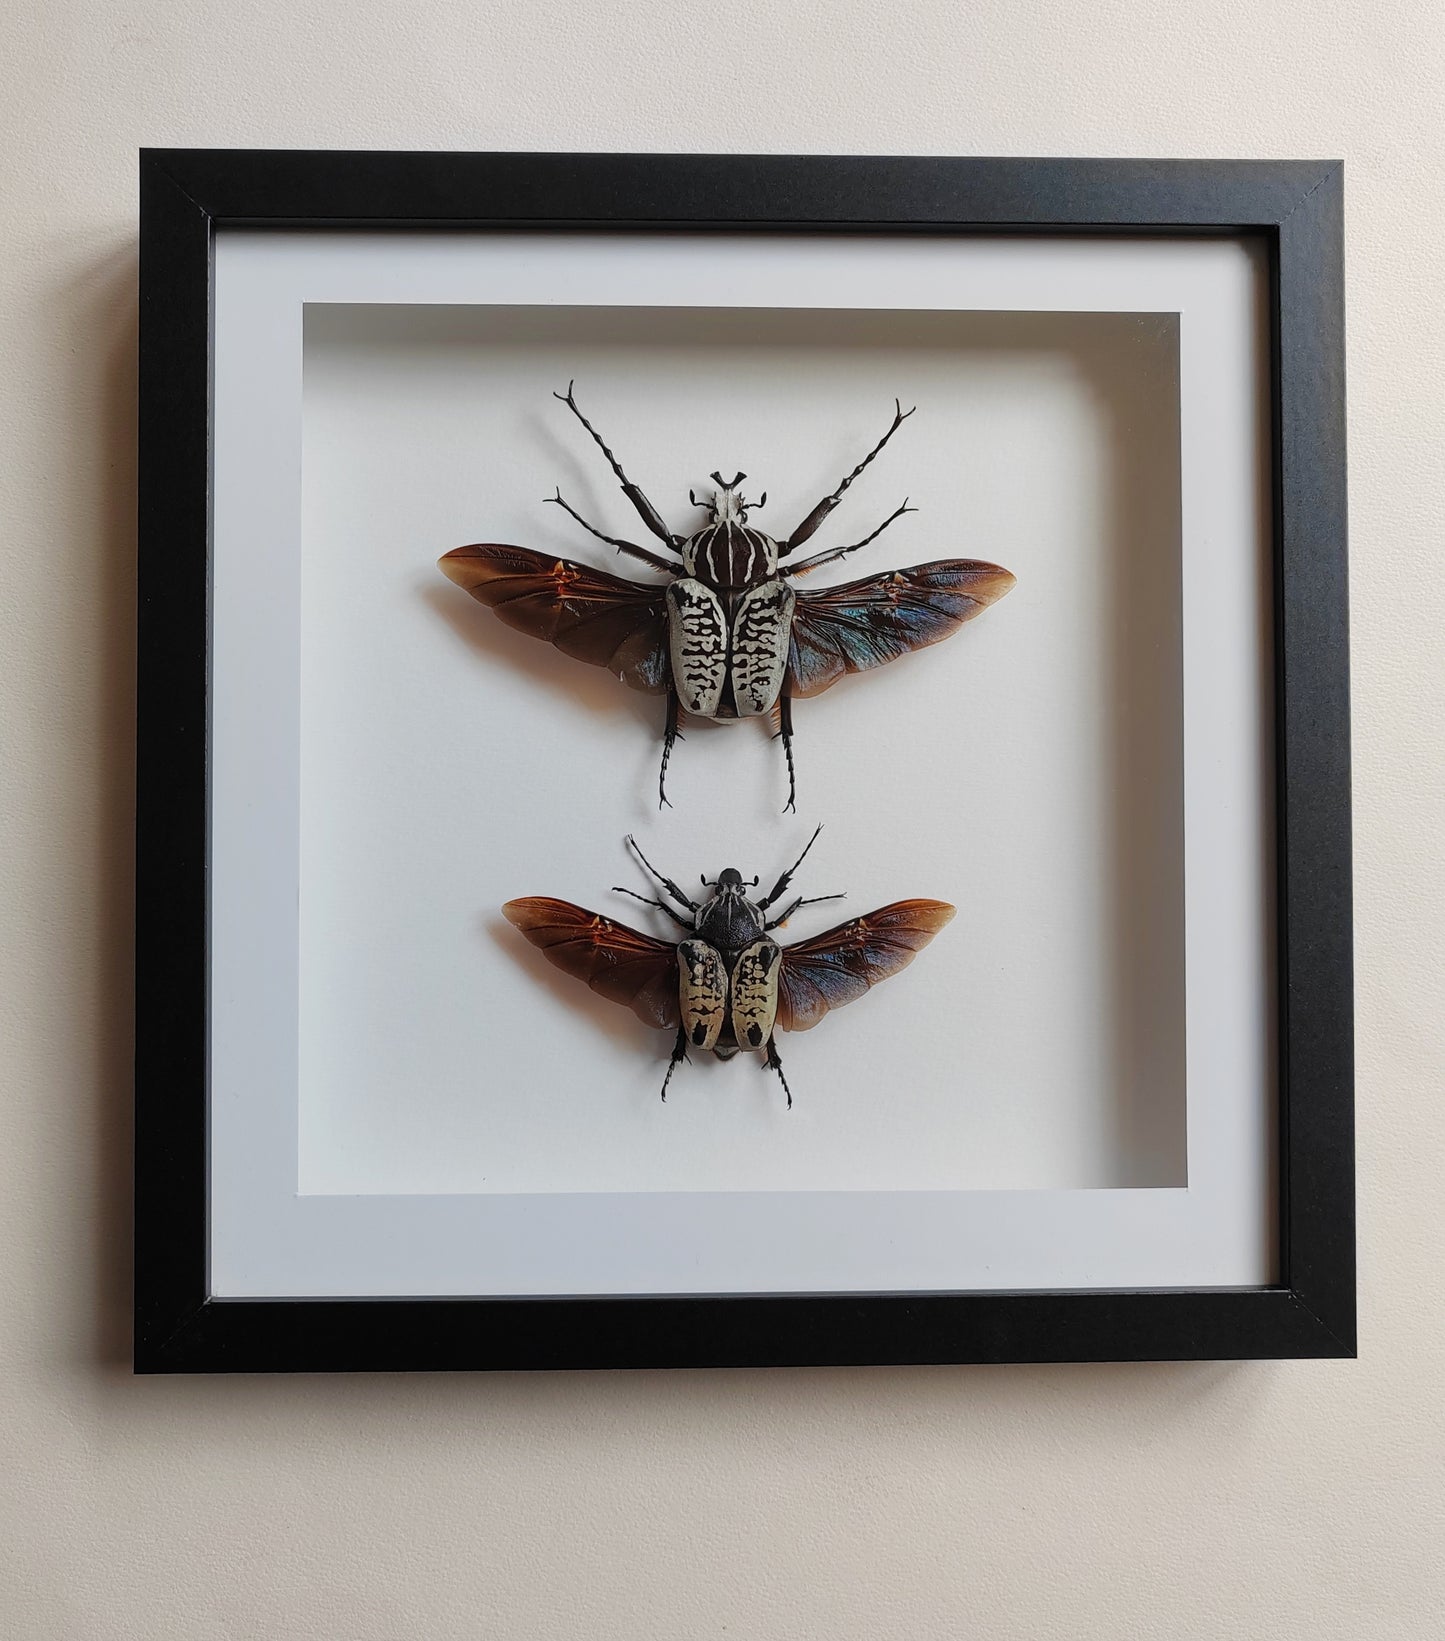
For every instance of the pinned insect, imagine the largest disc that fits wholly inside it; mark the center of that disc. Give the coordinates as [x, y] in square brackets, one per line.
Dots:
[728, 637]
[728, 985]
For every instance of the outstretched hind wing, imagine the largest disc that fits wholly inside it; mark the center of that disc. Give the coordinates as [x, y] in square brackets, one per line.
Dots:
[588, 614]
[618, 963]
[864, 624]
[838, 966]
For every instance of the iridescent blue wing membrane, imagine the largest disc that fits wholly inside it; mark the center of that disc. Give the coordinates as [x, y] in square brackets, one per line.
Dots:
[618, 963]
[838, 966]
[864, 624]
[586, 613]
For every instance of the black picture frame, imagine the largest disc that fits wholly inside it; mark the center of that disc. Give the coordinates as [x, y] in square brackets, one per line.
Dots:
[1295, 208]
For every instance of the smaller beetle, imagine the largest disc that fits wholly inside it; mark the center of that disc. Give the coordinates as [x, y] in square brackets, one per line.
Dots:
[728, 985]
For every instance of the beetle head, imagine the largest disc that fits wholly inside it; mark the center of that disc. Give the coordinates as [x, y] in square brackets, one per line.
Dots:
[728, 505]
[730, 881]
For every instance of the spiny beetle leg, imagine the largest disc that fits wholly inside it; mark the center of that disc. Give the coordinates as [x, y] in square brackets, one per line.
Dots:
[773, 1063]
[785, 734]
[666, 882]
[662, 906]
[810, 900]
[828, 503]
[781, 885]
[669, 735]
[627, 547]
[805, 564]
[645, 510]
[679, 1054]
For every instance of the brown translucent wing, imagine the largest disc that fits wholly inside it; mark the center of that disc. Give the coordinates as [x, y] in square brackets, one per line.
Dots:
[864, 624]
[834, 968]
[586, 613]
[617, 962]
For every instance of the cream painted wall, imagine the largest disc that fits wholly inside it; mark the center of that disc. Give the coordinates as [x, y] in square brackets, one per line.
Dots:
[1294, 1501]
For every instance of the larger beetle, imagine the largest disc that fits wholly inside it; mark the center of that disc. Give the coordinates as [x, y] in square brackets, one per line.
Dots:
[728, 636]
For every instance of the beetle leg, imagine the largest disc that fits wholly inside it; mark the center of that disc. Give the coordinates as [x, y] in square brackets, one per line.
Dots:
[679, 1054]
[666, 882]
[771, 1062]
[787, 877]
[804, 565]
[628, 547]
[785, 735]
[828, 503]
[662, 906]
[811, 900]
[669, 735]
[645, 510]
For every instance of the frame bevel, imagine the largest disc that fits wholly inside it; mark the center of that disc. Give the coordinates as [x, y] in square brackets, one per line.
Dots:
[1295, 206]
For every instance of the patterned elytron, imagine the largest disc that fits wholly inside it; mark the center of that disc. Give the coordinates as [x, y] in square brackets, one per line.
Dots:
[755, 993]
[728, 637]
[702, 992]
[759, 658]
[698, 641]
[728, 985]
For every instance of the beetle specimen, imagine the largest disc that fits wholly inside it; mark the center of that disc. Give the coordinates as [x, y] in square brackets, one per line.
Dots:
[728, 985]
[728, 637]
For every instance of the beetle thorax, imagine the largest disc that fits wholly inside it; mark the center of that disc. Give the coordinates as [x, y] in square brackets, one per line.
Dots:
[729, 920]
[728, 552]
[730, 555]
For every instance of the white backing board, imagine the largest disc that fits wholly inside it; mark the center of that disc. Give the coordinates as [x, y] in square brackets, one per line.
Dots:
[391, 764]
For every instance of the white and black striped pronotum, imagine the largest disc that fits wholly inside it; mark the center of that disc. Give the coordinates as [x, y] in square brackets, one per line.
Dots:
[727, 637]
[728, 985]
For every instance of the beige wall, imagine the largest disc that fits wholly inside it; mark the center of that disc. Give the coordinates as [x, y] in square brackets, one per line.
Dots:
[1281, 1501]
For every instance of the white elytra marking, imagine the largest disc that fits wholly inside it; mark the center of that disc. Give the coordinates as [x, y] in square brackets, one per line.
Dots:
[755, 993]
[697, 643]
[762, 626]
[702, 991]
[729, 554]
